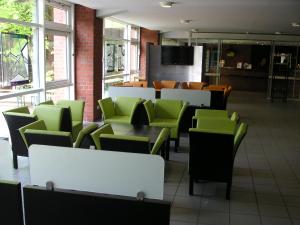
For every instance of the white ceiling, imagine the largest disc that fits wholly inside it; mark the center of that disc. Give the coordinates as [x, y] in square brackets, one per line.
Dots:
[237, 16]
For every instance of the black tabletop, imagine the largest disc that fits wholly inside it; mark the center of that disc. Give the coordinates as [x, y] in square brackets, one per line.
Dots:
[137, 130]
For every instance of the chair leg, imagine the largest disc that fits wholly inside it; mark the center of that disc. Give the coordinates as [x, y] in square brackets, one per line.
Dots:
[191, 186]
[167, 148]
[228, 190]
[176, 144]
[15, 161]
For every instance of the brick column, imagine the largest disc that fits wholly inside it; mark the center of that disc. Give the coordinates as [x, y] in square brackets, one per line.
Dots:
[147, 36]
[88, 60]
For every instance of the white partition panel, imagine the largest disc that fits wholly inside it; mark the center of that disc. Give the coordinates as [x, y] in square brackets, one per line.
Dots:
[193, 97]
[117, 173]
[139, 92]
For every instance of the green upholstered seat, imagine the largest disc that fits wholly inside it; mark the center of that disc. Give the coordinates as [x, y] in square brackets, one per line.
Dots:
[105, 129]
[84, 139]
[120, 111]
[16, 118]
[166, 113]
[52, 116]
[77, 111]
[37, 133]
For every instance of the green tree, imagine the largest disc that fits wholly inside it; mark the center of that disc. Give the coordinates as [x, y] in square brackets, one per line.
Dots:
[21, 10]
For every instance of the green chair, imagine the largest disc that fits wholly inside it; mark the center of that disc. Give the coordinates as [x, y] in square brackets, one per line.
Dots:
[77, 111]
[120, 111]
[15, 119]
[213, 146]
[37, 133]
[105, 129]
[166, 113]
[84, 139]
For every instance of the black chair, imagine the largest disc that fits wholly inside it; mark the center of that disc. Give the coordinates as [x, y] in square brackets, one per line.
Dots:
[15, 119]
[212, 156]
[11, 203]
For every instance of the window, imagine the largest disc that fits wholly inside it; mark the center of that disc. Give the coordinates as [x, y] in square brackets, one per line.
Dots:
[56, 56]
[121, 52]
[35, 52]
[58, 34]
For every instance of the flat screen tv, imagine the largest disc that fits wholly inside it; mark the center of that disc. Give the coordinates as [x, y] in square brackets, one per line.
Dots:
[177, 55]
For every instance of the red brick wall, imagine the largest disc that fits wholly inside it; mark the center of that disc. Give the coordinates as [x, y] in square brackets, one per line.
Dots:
[151, 36]
[88, 60]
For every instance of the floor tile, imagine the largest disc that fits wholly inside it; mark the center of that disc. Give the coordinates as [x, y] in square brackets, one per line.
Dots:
[184, 214]
[240, 219]
[243, 208]
[273, 211]
[213, 217]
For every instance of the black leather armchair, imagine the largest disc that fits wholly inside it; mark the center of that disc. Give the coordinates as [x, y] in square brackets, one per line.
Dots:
[212, 155]
[16, 118]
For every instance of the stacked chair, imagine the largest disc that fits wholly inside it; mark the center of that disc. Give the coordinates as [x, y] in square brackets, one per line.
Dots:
[120, 111]
[193, 85]
[159, 84]
[213, 146]
[166, 113]
[219, 95]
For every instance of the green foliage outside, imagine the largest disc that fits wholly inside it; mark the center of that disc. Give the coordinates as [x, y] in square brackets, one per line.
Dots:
[21, 10]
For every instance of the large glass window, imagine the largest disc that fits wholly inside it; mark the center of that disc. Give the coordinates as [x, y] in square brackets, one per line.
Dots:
[121, 52]
[35, 52]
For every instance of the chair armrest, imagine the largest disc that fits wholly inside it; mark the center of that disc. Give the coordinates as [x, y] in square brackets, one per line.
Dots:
[149, 110]
[44, 137]
[185, 105]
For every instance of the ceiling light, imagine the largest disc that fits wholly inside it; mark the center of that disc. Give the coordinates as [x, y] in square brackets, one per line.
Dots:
[277, 32]
[295, 24]
[185, 21]
[166, 4]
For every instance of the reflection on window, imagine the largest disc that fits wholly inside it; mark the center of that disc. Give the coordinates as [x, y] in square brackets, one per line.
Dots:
[56, 15]
[58, 94]
[56, 57]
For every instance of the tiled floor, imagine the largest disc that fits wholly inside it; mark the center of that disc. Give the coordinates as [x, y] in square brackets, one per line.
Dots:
[266, 182]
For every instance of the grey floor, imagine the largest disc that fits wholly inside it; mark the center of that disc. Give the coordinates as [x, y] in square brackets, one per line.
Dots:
[266, 181]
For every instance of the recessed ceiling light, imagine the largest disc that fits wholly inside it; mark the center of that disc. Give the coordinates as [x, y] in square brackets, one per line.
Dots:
[166, 4]
[277, 32]
[185, 21]
[295, 24]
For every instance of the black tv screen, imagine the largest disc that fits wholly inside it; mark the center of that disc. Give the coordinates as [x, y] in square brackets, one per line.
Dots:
[177, 55]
